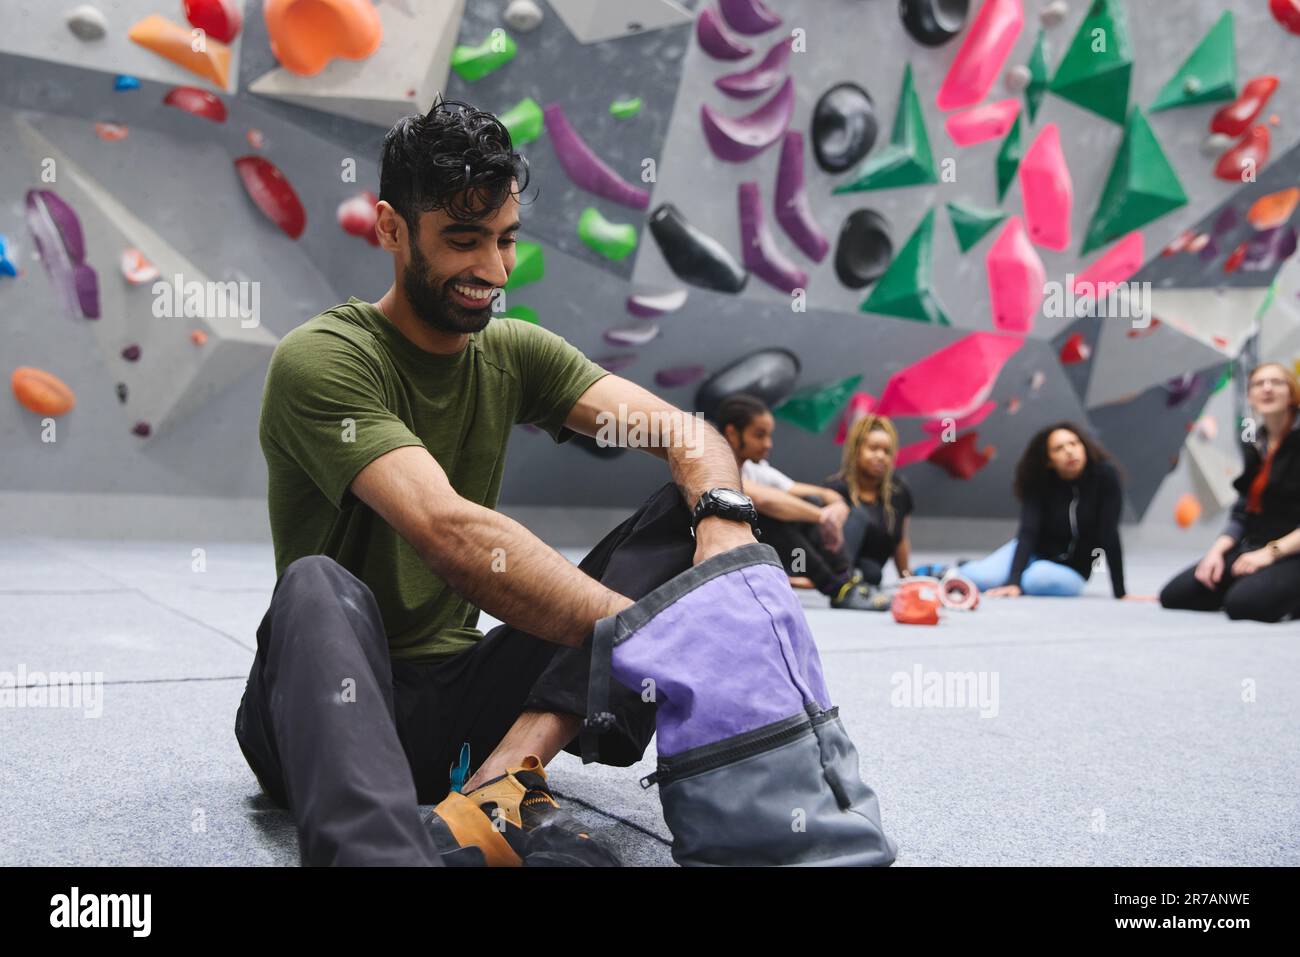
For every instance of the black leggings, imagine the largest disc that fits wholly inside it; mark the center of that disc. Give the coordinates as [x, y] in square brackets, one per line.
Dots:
[800, 546]
[1269, 594]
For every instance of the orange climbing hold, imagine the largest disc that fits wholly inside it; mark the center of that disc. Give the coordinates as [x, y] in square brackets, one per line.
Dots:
[1271, 211]
[174, 42]
[198, 337]
[41, 392]
[306, 34]
[1187, 511]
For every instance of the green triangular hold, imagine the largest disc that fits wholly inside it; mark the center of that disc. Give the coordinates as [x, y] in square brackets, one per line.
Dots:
[1209, 74]
[907, 161]
[523, 120]
[814, 409]
[530, 266]
[1009, 155]
[904, 289]
[1140, 187]
[971, 223]
[1096, 69]
[1224, 379]
[474, 63]
[1038, 82]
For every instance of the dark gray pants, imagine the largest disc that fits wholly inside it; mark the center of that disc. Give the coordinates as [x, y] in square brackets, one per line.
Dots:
[351, 741]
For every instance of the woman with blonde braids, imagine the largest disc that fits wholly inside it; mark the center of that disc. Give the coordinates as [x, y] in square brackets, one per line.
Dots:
[879, 501]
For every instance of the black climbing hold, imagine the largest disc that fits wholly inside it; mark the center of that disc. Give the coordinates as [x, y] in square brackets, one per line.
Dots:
[933, 22]
[864, 250]
[121, 391]
[692, 255]
[843, 127]
[769, 374]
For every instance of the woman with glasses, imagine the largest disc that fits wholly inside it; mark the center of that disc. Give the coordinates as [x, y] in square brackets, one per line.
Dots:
[1253, 569]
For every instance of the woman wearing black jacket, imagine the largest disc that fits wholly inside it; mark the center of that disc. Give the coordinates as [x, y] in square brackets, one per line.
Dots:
[1253, 569]
[1070, 508]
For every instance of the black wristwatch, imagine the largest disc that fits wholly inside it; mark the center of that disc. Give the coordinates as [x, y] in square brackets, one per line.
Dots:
[725, 503]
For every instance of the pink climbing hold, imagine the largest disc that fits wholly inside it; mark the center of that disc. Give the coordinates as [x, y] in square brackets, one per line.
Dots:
[759, 250]
[1016, 279]
[1112, 267]
[988, 122]
[715, 40]
[860, 404]
[736, 139]
[748, 16]
[937, 426]
[980, 60]
[585, 168]
[956, 380]
[1046, 190]
[792, 209]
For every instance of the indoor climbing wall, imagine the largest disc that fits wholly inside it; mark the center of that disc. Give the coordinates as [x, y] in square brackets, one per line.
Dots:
[843, 205]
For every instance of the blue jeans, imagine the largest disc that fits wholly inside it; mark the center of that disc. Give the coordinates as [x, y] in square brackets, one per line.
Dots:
[1041, 577]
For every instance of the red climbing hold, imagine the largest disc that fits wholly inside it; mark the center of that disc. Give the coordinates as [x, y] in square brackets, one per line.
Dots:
[1074, 350]
[268, 188]
[1242, 163]
[357, 216]
[961, 459]
[199, 102]
[1235, 259]
[219, 19]
[1287, 13]
[1233, 119]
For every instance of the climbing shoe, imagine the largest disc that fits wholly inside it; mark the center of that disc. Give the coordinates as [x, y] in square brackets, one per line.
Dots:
[859, 596]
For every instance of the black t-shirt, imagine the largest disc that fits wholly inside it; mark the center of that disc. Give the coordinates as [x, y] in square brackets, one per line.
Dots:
[883, 536]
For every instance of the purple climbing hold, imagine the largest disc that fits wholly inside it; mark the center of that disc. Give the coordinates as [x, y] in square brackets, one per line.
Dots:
[131, 353]
[142, 429]
[1209, 251]
[758, 248]
[1225, 222]
[57, 233]
[647, 307]
[585, 168]
[736, 139]
[748, 16]
[638, 335]
[760, 79]
[1178, 390]
[716, 41]
[792, 209]
[1267, 249]
[616, 363]
[678, 376]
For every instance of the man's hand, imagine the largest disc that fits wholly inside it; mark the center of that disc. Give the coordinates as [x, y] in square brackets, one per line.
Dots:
[1248, 563]
[715, 535]
[1209, 571]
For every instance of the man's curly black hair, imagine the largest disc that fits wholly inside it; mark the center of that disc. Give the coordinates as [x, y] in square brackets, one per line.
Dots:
[454, 158]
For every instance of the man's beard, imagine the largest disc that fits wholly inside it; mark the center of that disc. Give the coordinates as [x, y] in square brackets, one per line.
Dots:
[431, 301]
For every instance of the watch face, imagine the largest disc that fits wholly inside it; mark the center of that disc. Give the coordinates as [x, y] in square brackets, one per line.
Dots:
[731, 498]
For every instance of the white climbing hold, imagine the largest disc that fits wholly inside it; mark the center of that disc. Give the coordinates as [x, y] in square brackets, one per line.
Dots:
[523, 15]
[86, 22]
[1054, 13]
[1017, 78]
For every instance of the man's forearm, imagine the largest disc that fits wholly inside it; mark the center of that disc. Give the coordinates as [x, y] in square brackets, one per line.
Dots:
[700, 459]
[501, 567]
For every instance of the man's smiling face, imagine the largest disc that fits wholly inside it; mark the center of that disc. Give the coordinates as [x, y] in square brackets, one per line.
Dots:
[455, 266]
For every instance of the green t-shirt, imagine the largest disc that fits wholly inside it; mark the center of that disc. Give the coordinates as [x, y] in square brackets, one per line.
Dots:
[346, 387]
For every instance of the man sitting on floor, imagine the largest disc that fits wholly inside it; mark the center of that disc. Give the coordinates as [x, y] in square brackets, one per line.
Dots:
[384, 426]
[808, 537]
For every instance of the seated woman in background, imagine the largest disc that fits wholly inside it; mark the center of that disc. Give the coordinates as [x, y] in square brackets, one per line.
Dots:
[1070, 506]
[1253, 569]
[808, 537]
[879, 501]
